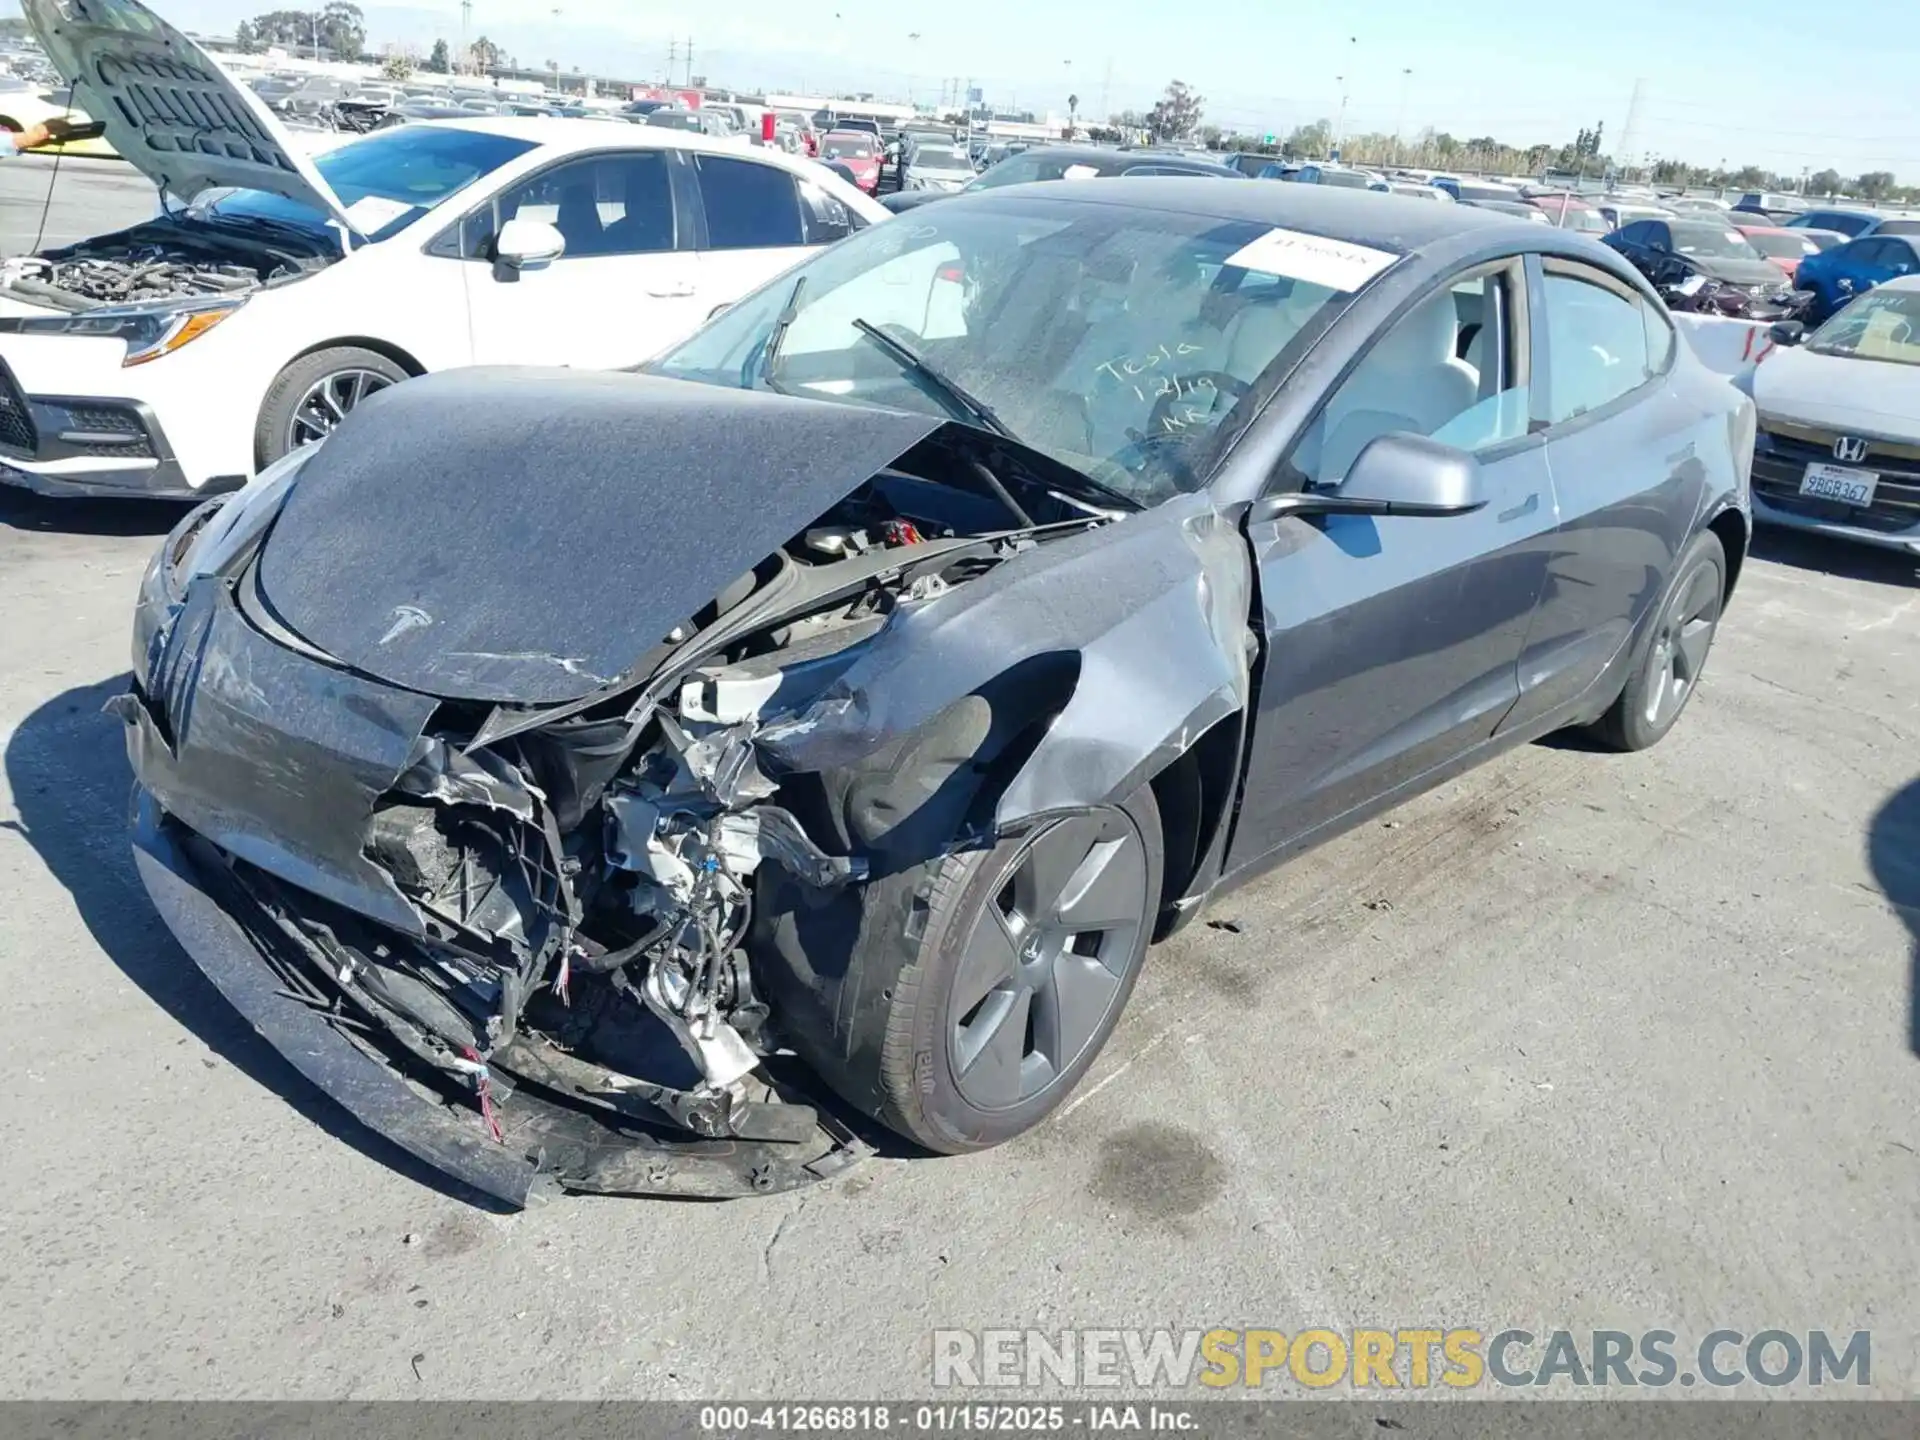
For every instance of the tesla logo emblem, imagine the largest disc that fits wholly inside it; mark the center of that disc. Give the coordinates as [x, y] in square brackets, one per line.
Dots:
[1850, 448]
[1030, 951]
[405, 618]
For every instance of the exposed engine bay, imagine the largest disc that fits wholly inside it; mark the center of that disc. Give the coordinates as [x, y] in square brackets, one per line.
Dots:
[602, 864]
[161, 260]
[582, 878]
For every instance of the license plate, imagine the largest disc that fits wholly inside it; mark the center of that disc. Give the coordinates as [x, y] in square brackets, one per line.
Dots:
[1838, 482]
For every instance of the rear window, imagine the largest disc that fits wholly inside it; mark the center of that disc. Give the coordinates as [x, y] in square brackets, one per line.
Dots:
[1781, 245]
[846, 147]
[1345, 179]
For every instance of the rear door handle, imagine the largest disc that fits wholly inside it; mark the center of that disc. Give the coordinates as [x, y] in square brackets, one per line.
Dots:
[672, 289]
[1525, 508]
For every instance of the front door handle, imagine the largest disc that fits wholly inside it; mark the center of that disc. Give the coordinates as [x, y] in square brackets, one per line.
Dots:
[1519, 512]
[671, 289]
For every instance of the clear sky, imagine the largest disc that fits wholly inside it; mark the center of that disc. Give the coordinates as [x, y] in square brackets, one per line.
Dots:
[1785, 84]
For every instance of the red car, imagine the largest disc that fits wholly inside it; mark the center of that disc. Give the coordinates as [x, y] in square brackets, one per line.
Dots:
[858, 151]
[1785, 248]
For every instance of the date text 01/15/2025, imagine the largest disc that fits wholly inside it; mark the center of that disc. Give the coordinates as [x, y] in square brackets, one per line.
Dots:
[942, 1418]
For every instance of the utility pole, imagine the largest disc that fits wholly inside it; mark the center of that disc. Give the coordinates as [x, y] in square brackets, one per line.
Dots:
[1400, 118]
[673, 58]
[1106, 85]
[689, 60]
[1630, 132]
[466, 18]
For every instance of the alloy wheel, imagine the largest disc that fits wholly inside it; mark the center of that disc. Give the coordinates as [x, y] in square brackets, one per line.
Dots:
[1047, 959]
[327, 401]
[1680, 645]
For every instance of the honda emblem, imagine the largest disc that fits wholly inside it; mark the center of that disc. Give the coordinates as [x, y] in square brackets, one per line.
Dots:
[1850, 448]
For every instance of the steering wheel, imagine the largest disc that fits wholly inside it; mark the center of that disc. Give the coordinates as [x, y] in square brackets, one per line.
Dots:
[1181, 387]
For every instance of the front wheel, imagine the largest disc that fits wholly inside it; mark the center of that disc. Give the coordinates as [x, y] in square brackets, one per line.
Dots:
[315, 393]
[987, 1006]
[1673, 652]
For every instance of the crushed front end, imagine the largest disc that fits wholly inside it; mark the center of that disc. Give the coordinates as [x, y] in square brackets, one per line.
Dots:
[514, 936]
[409, 925]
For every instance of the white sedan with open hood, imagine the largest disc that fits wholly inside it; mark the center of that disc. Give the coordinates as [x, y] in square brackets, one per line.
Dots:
[277, 289]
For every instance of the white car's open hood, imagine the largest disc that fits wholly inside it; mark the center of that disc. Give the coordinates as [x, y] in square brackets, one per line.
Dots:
[168, 108]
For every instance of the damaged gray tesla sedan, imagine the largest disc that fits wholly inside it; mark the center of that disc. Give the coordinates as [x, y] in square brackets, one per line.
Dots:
[587, 778]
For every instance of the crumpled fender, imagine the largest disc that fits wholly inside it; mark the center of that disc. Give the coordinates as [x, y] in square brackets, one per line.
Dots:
[1154, 612]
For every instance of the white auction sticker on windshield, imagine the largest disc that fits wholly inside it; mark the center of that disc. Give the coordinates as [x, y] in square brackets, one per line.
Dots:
[1079, 172]
[370, 212]
[1336, 264]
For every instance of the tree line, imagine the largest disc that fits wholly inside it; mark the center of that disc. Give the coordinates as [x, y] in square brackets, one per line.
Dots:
[1178, 116]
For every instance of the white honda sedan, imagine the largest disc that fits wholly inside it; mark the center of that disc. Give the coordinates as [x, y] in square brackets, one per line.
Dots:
[277, 289]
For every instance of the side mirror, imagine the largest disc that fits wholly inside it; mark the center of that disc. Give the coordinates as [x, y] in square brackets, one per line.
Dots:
[528, 245]
[1787, 332]
[1397, 474]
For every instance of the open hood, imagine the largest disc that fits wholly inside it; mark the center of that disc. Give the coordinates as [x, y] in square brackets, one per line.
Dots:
[169, 108]
[525, 535]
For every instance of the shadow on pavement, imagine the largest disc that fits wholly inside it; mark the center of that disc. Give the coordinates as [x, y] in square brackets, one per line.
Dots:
[1893, 850]
[23, 510]
[1807, 551]
[67, 767]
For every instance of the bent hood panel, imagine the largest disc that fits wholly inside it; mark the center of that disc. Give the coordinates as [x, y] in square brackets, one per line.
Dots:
[168, 106]
[1839, 392]
[524, 535]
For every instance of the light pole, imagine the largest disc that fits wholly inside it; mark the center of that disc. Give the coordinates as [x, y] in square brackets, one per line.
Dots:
[1400, 116]
[1340, 126]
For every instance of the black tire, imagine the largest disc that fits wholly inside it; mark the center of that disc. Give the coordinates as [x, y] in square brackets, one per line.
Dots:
[1673, 652]
[888, 1030]
[291, 389]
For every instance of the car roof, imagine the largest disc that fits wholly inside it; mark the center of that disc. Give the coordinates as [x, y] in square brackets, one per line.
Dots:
[572, 132]
[1365, 217]
[564, 135]
[1132, 155]
[1905, 284]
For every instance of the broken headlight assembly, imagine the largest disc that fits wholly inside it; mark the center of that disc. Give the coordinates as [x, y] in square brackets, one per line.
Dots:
[205, 542]
[150, 331]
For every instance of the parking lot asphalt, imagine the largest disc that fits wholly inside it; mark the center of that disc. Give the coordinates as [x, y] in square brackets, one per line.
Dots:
[1578, 1041]
[76, 197]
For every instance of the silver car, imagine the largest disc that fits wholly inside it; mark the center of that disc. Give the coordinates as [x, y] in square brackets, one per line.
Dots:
[1839, 443]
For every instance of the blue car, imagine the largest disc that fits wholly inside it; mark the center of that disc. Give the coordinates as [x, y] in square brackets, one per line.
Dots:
[1835, 276]
[1855, 224]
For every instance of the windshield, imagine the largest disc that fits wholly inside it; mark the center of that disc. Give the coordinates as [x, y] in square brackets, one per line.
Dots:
[1883, 325]
[1116, 340]
[1486, 192]
[386, 181]
[846, 147]
[1711, 242]
[1346, 179]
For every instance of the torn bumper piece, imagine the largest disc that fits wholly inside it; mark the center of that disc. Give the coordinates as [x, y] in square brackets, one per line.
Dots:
[548, 1143]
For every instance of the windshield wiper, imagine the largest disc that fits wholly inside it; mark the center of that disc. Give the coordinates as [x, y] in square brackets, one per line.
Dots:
[770, 351]
[949, 388]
